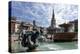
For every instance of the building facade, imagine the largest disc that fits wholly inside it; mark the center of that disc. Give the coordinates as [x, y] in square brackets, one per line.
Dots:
[72, 26]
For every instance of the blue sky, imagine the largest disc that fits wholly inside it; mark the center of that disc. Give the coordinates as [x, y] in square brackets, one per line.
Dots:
[42, 12]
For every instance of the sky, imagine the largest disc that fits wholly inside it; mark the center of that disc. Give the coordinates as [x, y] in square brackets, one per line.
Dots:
[42, 12]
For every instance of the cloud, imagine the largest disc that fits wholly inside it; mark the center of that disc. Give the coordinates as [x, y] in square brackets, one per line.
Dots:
[65, 12]
[42, 12]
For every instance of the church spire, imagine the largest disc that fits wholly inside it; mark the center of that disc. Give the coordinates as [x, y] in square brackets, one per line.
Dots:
[53, 23]
[53, 15]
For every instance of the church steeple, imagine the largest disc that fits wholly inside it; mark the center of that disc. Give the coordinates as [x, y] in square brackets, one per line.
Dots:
[53, 22]
[53, 15]
[52, 28]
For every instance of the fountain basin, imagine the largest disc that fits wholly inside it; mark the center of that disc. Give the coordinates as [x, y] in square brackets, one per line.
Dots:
[66, 36]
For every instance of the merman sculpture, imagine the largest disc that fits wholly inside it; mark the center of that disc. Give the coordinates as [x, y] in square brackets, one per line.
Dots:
[29, 40]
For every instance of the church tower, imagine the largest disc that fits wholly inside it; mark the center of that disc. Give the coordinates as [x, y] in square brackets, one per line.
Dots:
[53, 21]
[52, 28]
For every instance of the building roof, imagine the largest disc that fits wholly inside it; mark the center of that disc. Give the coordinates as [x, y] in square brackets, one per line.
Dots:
[27, 24]
[75, 21]
[13, 21]
[65, 25]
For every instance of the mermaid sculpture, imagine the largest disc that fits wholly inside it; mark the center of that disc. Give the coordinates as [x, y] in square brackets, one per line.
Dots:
[29, 39]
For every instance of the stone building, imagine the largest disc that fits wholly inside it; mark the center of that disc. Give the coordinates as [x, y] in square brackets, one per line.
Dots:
[12, 23]
[74, 26]
[71, 26]
[15, 25]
